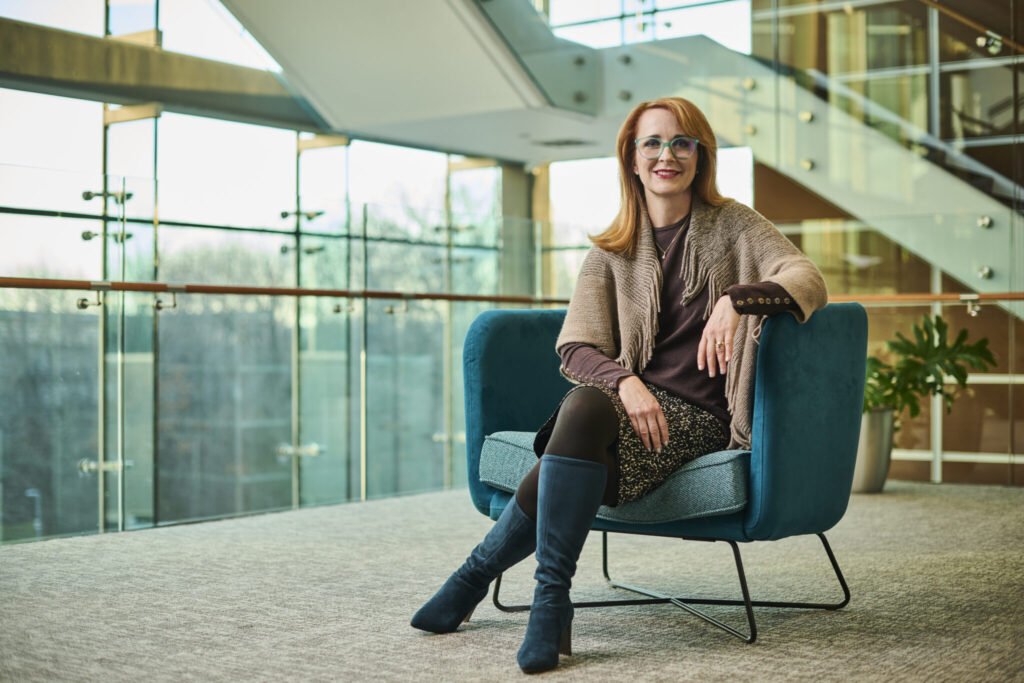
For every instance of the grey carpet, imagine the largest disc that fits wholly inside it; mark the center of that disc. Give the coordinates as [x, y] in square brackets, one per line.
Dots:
[326, 594]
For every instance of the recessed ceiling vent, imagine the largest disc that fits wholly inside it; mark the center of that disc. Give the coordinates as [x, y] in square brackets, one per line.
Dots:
[564, 142]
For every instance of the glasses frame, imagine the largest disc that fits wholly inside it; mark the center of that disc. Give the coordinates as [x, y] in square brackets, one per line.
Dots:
[696, 144]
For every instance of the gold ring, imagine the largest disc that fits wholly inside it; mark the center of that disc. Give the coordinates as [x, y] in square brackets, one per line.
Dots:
[719, 345]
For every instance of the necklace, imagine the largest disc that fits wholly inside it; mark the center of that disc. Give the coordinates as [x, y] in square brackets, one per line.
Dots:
[662, 252]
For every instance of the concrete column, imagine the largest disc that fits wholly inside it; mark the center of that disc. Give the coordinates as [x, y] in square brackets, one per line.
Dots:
[518, 253]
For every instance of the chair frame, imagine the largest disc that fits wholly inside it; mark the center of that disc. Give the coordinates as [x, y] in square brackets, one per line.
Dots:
[684, 603]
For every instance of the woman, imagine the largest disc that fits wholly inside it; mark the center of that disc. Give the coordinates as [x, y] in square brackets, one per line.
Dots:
[660, 337]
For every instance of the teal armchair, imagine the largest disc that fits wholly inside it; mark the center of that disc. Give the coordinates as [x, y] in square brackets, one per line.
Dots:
[795, 480]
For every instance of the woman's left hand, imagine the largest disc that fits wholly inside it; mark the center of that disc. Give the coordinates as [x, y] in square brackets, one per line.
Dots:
[715, 348]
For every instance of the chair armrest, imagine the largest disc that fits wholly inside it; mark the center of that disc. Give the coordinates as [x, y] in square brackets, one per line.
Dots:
[808, 396]
[512, 383]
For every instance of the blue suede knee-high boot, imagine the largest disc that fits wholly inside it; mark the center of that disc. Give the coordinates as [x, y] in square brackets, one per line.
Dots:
[569, 493]
[512, 538]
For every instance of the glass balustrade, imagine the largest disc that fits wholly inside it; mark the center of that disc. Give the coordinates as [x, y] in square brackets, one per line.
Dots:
[127, 409]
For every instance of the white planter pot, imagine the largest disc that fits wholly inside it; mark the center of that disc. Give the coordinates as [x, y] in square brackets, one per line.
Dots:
[873, 451]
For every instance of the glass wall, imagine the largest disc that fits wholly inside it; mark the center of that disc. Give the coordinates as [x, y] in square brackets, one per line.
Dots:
[129, 410]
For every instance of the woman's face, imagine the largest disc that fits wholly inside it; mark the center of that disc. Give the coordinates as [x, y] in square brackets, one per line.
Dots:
[664, 177]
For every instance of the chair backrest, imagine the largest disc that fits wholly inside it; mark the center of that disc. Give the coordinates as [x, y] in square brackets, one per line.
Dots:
[808, 394]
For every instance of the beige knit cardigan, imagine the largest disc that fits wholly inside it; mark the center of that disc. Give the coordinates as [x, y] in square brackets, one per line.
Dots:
[617, 299]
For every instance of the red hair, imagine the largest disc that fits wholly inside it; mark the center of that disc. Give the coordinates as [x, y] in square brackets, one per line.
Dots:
[621, 235]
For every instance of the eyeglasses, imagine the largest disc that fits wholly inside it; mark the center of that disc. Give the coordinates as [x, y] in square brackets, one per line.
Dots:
[682, 147]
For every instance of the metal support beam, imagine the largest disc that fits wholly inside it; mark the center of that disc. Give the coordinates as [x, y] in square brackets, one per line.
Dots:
[68, 64]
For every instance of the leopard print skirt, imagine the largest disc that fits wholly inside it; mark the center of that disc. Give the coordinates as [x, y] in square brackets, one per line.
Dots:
[692, 432]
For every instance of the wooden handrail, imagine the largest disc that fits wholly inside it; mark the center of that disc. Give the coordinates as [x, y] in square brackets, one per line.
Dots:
[172, 288]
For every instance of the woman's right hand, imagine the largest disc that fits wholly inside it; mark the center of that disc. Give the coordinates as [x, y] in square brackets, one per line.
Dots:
[644, 413]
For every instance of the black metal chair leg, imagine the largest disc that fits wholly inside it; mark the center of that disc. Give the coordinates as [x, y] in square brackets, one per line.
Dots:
[655, 598]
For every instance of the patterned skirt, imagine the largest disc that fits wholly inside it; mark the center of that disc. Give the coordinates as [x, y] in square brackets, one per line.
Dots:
[692, 432]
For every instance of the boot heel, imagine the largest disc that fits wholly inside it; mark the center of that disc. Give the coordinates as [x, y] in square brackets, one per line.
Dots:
[565, 644]
[466, 620]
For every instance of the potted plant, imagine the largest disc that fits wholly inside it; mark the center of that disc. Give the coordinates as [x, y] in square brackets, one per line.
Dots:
[919, 369]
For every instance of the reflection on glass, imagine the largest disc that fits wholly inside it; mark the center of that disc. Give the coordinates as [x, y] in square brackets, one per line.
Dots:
[979, 103]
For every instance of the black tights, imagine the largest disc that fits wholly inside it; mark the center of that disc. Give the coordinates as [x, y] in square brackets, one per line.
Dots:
[586, 428]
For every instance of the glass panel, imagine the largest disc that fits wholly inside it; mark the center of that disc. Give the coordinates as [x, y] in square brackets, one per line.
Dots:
[47, 131]
[405, 414]
[727, 23]
[475, 201]
[598, 34]
[204, 28]
[323, 183]
[475, 271]
[132, 16]
[137, 401]
[225, 406]
[584, 194]
[387, 175]
[405, 252]
[571, 11]
[49, 395]
[326, 378]
[326, 384]
[979, 102]
[69, 15]
[51, 248]
[225, 173]
[207, 256]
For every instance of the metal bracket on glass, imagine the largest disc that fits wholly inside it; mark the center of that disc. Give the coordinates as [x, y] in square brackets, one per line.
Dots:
[86, 466]
[116, 236]
[453, 228]
[347, 308]
[309, 450]
[173, 289]
[308, 215]
[118, 197]
[98, 287]
[160, 305]
[398, 309]
[973, 307]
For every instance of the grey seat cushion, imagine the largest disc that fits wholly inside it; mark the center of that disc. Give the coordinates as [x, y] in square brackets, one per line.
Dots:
[715, 484]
